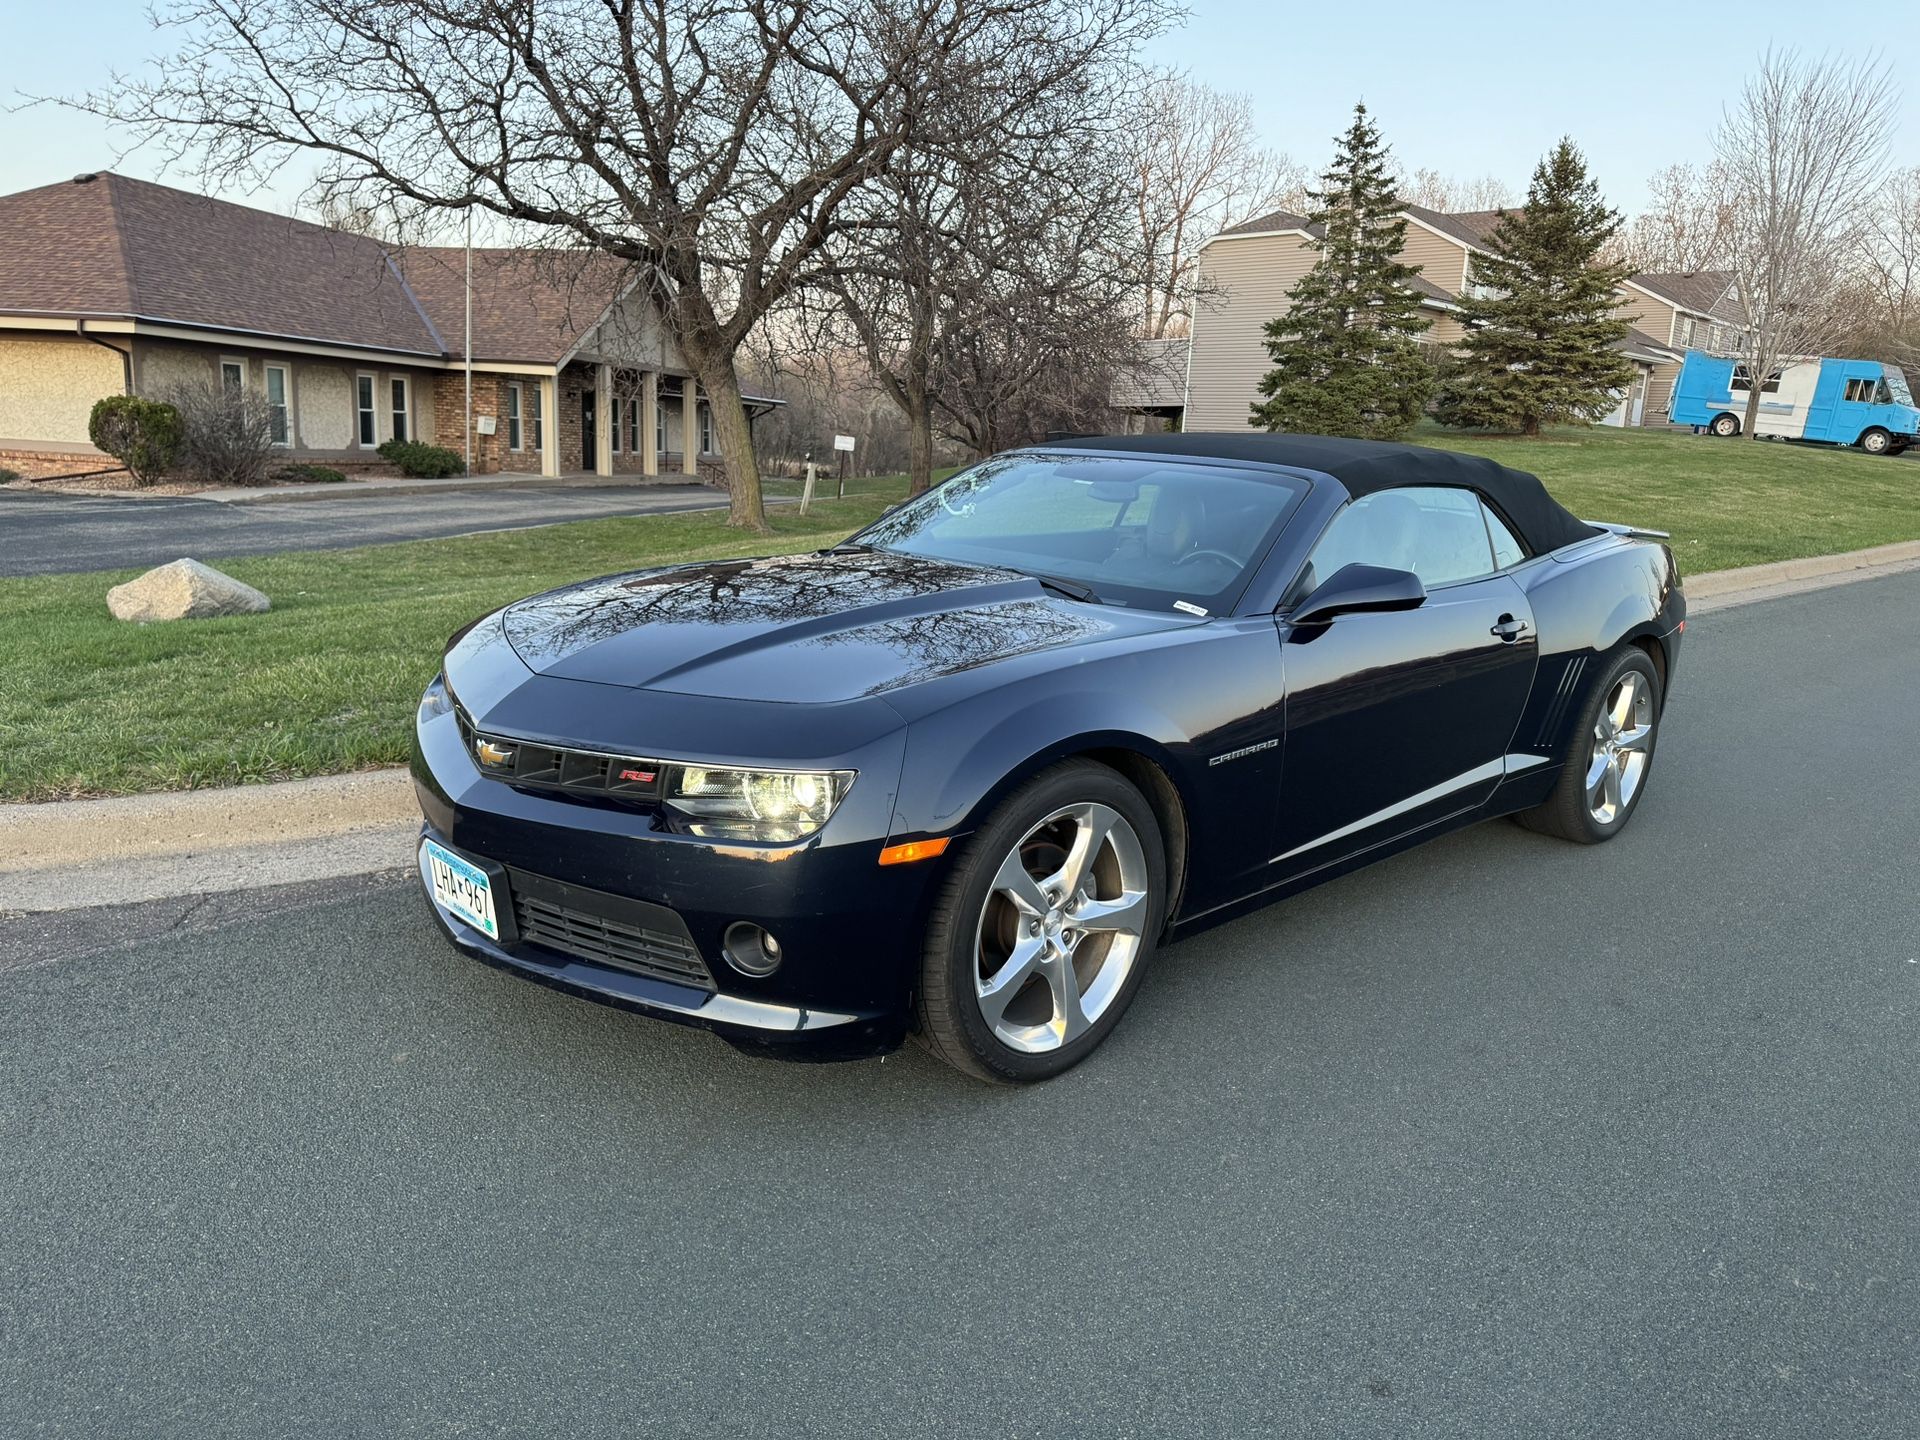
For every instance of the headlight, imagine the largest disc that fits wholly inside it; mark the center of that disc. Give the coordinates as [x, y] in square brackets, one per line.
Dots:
[437, 701]
[754, 804]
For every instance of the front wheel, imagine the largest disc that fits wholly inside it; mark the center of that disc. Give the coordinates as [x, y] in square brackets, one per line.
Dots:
[1607, 758]
[1724, 425]
[1044, 928]
[1876, 442]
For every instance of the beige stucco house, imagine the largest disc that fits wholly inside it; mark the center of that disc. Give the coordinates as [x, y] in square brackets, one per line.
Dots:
[110, 286]
[1247, 270]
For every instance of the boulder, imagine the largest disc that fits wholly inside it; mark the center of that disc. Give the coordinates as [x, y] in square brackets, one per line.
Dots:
[184, 590]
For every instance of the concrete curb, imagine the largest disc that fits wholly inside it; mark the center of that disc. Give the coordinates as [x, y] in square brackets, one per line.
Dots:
[72, 854]
[457, 484]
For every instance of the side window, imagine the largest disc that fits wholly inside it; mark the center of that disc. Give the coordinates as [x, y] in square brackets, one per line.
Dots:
[1859, 391]
[1437, 533]
[1506, 550]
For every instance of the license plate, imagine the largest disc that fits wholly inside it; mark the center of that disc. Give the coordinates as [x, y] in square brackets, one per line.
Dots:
[462, 887]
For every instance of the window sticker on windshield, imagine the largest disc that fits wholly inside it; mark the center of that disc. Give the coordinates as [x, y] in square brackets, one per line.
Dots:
[1190, 608]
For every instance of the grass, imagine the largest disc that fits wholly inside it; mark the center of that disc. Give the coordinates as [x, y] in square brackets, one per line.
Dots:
[1727, 502]
[328, 680]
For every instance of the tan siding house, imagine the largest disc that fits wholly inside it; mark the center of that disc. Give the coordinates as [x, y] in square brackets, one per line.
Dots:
[110, 286]
[1247, 270]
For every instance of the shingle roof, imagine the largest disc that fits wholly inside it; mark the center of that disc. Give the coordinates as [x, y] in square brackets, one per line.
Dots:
[117, 247]
[1469, 227]
[1637, 342]
[1697, 290]
[530, 305]
[1273, 220]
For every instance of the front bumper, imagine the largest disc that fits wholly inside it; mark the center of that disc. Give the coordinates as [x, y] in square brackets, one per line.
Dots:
[850, 930]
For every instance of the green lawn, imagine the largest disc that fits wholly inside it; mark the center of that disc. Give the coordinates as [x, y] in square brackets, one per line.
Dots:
[324, 682]
[327, 681]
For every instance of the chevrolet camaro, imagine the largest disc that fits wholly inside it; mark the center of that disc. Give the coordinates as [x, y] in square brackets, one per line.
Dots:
[964, 774]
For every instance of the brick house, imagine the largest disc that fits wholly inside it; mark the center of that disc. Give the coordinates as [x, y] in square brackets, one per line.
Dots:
[116, 286]
[1246, 271]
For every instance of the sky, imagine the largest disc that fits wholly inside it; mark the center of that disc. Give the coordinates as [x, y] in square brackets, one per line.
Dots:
[1487, 93]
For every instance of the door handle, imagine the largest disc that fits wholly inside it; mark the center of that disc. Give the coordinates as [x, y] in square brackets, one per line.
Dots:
[1509, 629]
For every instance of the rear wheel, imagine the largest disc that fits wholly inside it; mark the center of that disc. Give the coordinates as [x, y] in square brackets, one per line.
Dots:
[1876, 441]
[1608, 757]
[1725, 424]
[1044, 928]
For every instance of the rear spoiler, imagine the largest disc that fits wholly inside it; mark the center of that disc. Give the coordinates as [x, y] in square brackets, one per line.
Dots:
[1631, 532]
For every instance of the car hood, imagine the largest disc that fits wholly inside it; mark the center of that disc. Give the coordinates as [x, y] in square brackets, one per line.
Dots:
[812, 628]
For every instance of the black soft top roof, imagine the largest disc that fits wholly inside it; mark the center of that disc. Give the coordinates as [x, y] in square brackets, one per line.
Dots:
[1364, 466]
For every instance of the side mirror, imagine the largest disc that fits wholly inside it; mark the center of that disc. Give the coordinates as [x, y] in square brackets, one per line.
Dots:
[1360, 587]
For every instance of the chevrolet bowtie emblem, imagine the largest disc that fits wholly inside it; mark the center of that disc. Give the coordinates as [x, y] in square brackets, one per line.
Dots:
[492, 755]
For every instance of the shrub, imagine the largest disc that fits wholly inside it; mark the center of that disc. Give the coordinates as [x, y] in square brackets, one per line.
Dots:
[309, 474]
[430, 462]
[227, 434]
[143, 435]
[7, 477]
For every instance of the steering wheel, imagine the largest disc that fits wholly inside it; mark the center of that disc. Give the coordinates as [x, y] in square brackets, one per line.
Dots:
[1216, 554]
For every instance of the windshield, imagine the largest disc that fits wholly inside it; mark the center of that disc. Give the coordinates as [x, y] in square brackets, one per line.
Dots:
[1147, 532]
[1897, 382]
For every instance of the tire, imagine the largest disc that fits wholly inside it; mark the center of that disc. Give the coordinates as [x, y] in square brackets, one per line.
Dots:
[1590, 804]
[1877, 442]
[1724, 425]
[1068, 957]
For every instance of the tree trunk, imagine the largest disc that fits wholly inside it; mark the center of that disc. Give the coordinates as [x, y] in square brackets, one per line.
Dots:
[919, 440]
[720, 388]
[1750, 423]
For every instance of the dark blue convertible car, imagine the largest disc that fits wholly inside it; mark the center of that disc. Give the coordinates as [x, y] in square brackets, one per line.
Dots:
[964, 774]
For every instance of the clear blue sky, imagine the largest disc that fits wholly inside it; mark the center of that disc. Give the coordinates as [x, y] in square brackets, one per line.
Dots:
[1637, 89]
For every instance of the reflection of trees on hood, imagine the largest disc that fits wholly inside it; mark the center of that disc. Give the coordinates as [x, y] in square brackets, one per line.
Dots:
[776, 591]
[944, 642]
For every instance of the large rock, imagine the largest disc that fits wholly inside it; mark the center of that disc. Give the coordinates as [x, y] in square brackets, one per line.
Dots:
[184, 590]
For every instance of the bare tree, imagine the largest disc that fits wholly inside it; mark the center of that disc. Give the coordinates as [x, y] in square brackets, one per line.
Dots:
[1434, 191]
[1687, 225]
[1800, 154]
[1881, 298]
[1034, 210]
[1199, 166]
[710, 145]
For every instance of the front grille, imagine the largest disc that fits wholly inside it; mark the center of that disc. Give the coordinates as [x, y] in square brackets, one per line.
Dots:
[630, 779]
[604, 929]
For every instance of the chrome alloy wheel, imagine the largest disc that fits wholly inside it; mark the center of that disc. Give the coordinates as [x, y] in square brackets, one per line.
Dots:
[1061, 928]
[1622, 746]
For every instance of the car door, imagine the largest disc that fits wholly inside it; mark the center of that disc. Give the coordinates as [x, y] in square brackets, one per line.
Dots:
[1396, 719]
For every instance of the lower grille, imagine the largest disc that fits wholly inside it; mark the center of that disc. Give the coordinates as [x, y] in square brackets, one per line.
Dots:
[556, 920]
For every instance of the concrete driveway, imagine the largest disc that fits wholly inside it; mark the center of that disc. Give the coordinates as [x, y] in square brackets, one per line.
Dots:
[46, 533]
[1501, 1138]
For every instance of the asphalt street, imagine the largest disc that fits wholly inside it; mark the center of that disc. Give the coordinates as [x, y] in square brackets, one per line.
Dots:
[1500, 1138]
[51, 534]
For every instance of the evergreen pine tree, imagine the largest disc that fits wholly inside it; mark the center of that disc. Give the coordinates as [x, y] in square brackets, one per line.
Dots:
[1347, 358]
[1543, 322]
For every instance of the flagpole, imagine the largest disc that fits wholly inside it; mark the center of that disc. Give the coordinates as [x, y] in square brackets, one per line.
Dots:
[467, 347]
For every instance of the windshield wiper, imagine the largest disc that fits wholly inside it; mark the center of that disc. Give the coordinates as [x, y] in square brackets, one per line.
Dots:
[849, 547]
[1072, 589]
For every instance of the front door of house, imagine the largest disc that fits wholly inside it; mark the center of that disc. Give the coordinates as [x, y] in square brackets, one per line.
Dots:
[589, 440]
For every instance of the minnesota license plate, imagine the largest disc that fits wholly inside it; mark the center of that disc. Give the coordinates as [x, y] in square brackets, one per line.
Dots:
[462, 887]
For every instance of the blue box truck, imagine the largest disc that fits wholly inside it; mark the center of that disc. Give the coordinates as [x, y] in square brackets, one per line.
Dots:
[1837, 402]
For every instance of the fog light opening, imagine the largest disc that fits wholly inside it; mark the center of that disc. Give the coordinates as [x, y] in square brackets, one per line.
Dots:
[750, 949]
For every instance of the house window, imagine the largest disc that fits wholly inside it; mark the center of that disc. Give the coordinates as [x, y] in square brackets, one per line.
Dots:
[513, 417]
[539, 438]
[633, 427]
[400, 409]
[706, 429]
[233, 375]
[277, 404]
[1686, 331]
[660, 427]
[363, 398]
[614, 411]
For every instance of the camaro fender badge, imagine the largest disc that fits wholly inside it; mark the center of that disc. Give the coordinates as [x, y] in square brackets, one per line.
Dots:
[1244, 751]
[491, 755]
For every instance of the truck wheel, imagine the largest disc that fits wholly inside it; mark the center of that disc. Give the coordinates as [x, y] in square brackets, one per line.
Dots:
[1876, 441]
[1724, 424]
